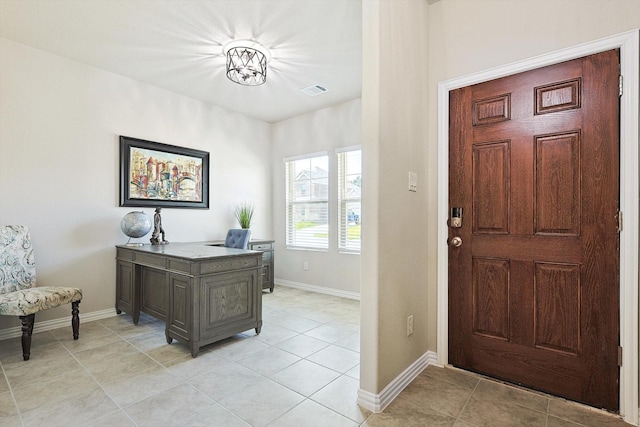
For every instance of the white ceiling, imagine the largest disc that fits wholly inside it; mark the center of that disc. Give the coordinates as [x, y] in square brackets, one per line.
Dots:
[177, 45]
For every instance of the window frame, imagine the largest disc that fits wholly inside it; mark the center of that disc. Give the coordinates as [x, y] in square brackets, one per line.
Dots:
[344, 201]
[319, 204]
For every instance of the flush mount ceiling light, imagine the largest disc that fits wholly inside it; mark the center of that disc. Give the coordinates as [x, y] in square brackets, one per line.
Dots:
[246, 62]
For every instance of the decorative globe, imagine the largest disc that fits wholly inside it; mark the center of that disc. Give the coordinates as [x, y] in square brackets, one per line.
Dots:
[136, 224]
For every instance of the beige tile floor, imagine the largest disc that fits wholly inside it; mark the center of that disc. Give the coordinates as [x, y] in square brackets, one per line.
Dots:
[302, 370]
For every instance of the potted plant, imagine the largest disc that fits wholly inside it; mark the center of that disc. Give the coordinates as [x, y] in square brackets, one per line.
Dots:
[244, 213]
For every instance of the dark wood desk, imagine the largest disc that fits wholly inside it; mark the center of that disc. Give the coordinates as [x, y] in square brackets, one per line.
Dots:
[203, 293]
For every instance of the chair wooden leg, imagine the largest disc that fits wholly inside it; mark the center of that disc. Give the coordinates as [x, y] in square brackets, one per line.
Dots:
[75, 319]
[27, 330]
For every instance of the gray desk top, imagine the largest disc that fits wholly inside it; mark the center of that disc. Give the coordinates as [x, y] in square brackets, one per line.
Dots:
[192, 251]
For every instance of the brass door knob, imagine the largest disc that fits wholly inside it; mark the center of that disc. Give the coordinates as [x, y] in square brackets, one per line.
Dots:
[456, 242]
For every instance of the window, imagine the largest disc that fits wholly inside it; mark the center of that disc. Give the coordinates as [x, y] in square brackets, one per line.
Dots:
[308, 202]
[349, 199]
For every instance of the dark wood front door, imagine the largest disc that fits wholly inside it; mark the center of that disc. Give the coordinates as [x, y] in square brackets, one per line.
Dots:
[533, 286]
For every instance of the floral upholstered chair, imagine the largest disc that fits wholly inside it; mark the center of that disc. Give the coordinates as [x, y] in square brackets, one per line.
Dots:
[19, 295]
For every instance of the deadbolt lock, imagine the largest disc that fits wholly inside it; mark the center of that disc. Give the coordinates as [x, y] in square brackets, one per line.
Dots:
[455, 220]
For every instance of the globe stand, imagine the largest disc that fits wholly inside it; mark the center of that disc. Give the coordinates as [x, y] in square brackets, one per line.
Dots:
[134, 244]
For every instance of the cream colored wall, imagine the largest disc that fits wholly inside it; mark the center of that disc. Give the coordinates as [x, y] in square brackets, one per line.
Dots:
[394, 255]
[59, 127]
[324, 130]
[468, 36]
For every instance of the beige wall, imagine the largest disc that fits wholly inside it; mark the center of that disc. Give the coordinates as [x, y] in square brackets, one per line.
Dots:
[322, 131]
[394, 254]
[59, 127]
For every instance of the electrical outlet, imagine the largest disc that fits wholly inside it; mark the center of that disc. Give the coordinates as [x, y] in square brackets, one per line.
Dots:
[413, 181]
[305, 266]
[410, 325]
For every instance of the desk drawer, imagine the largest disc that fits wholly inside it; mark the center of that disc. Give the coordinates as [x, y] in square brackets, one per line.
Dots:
[261, 246]
[178, 265]
[124, 254]
[218, 266]
[151, 260]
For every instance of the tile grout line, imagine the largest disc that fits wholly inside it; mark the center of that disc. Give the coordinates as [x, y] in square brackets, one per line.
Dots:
[340, 374]
[546, 423]
[467, 402]
[308, 398]
[122, 410]
[13, 397]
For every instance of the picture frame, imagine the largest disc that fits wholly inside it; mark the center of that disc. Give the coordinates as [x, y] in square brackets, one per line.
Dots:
[153, 174]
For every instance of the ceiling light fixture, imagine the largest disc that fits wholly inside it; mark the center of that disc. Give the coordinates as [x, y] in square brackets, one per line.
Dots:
[246, 62]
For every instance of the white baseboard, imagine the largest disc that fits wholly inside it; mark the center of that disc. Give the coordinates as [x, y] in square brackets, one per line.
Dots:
[48, 325]
[378, 402]
[318, 289]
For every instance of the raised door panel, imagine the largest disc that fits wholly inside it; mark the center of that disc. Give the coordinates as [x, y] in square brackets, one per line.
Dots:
[492, 110]
[125, 286]
[491, 187]
[557, 307]
[558, 96]
[228, 300]
[491, 297]
[557, 188]
[181, 306]
[155, 292]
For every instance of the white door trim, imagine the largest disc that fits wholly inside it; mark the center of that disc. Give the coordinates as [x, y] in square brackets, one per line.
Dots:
[629, 44]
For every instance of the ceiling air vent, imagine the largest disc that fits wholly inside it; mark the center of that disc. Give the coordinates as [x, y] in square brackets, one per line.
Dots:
[314, 90]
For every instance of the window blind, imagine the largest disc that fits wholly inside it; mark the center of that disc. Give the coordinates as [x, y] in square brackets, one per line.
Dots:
[349, 200]
[307, 181]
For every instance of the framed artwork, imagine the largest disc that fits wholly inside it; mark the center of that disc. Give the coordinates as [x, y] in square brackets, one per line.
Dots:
[162, 175]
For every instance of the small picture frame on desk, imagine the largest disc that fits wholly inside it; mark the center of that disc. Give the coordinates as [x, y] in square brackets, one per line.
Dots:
[153, 174]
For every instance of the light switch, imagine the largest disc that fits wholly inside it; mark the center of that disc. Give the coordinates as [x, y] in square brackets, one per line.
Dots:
[413, 181]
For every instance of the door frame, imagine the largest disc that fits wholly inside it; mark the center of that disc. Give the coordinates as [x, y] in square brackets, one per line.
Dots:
[629, 45]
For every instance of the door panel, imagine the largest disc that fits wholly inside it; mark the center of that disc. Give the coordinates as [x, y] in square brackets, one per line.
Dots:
[533, 289]
[491, 179]
[491, 297]
[557, 196]
[557, 307]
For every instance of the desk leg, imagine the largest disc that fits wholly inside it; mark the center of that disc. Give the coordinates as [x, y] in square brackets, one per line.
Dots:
[259, 327]
[137, 292]
[166, 334]
[195, 349]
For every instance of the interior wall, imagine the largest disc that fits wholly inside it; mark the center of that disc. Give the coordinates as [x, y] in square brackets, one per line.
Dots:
[59, 163]
[322, 131]
[468, 36]
[394, 254]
